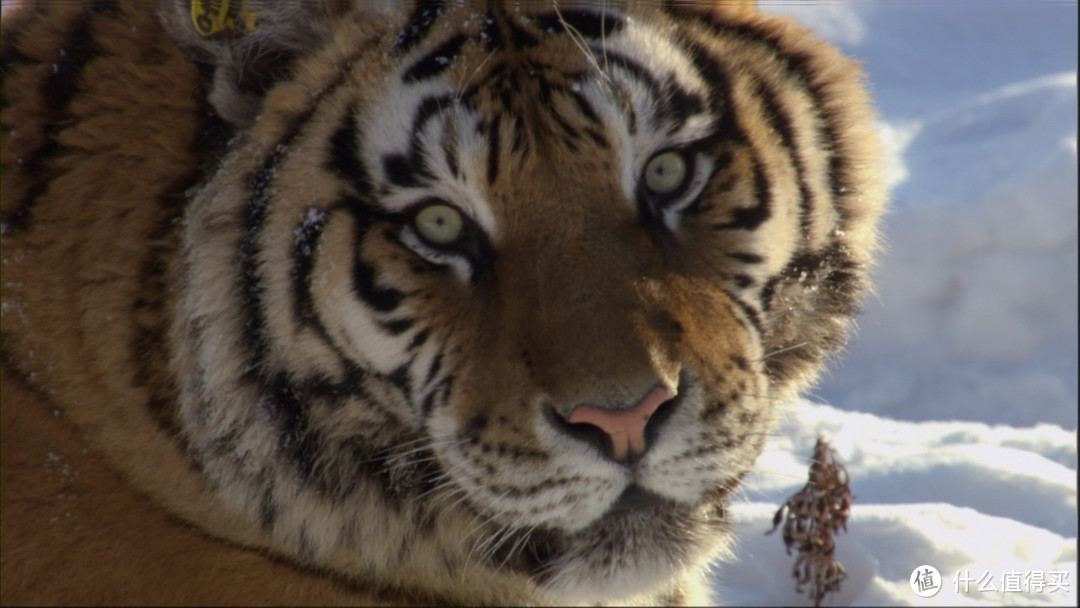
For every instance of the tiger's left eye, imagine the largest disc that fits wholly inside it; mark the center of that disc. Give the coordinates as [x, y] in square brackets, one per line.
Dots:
[439, 224]
[665, 173]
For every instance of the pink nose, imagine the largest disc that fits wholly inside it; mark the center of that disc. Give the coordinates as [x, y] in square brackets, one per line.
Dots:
[625, 428]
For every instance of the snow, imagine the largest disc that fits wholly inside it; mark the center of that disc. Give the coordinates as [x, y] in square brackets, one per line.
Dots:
[955, 407]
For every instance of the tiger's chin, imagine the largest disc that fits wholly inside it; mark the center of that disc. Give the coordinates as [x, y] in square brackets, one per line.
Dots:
[641, 544]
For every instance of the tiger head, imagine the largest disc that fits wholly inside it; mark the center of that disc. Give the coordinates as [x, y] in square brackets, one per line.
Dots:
[515, 291]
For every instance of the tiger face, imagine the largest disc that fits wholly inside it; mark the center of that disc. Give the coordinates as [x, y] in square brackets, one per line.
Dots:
[505, 297]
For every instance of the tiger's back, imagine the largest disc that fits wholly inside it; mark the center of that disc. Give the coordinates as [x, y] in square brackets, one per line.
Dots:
[255, 322]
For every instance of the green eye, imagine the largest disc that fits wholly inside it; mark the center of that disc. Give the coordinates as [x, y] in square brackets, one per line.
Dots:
[439, 224]
[665, 173]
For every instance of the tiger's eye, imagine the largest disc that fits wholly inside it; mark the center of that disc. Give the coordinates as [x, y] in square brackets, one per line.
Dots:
[665, 172]
[439, 224]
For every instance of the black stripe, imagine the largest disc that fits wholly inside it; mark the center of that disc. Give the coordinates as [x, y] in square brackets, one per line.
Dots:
[509, 87]
[585, 108]
[520, 140]
[439, 392]
[730, 130]
[251, 287]
[428, 109]
[408, 171]
[492, 32]
[259, 184]
[428, 403]
[746, 258]
[436, 365]
[344, 155]
[382, 299]
[781, 124]
[840, 178]
[307, 236]
[740, 362]
[288, 404]
[11, 56]
[519, 38]
[594, 25]
[267, 507]
[358, 459]
[799, 65]
[751, 313]
[494, 79]
[749, 218]
[397, 326]
[540, 80]
[419, 339]
[423, 17]
[399, 171]
[493, 150]
[719, 187]
[21, 217]
[768, 291]
[449, 146]
[639, 72]
[678, 105]
[572, 134]
[436, 61]
[743, 280]
[401, 380]
[148, 350]
[597, 137]
[61, 86]
[370, 458]
[57, 91]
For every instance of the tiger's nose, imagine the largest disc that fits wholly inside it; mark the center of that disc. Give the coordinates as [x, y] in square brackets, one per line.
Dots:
[622, 433]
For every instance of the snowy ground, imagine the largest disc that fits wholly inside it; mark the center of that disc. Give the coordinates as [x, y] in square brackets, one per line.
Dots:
[955, 409]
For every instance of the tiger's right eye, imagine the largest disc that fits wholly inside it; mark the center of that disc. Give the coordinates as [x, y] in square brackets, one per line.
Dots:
[439, 224]
[666, 173]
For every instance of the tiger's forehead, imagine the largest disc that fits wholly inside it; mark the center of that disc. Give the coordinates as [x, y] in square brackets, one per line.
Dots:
[474, 95]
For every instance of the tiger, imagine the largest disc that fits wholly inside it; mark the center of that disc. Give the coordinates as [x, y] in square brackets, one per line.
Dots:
[441, 302]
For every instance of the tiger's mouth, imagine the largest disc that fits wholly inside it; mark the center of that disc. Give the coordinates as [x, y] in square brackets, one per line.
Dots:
[643, 533]
[636, 499]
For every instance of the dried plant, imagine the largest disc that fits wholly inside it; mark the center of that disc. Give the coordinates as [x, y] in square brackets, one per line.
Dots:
[814, 515]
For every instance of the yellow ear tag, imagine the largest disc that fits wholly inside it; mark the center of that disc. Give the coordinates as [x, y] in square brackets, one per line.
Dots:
[219, 17]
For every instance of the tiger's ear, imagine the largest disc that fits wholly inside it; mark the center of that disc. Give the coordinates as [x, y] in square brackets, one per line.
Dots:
[249, 44]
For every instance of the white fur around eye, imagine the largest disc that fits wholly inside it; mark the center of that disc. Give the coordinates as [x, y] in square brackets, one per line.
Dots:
[665, 173]
[439, 224]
